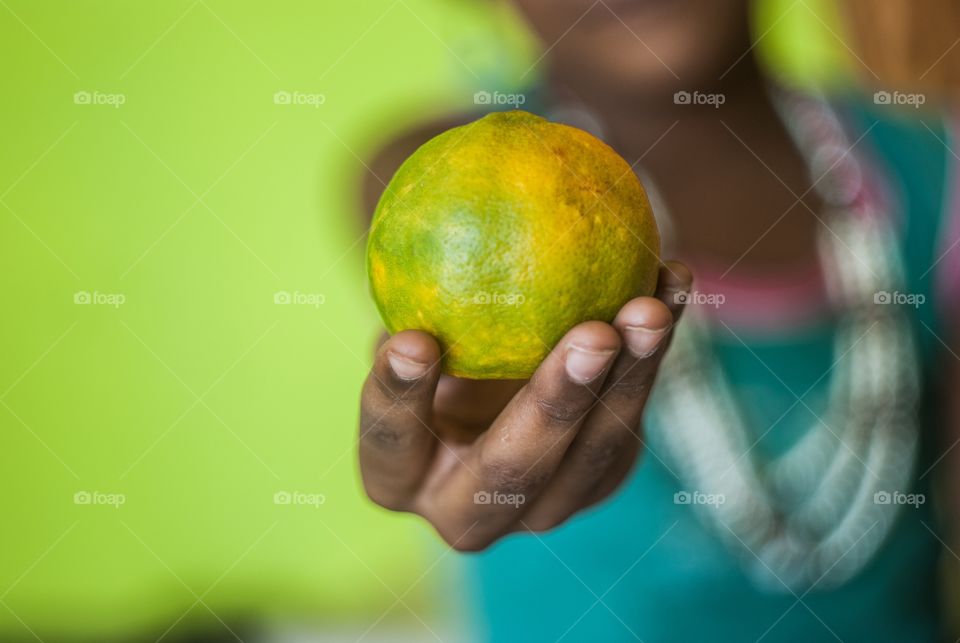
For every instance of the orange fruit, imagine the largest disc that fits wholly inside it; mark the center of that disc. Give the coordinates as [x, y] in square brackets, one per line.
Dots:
[498, 236]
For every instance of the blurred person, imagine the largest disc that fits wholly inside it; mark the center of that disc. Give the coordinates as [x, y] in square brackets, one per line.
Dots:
[908, 44]
[788, 450]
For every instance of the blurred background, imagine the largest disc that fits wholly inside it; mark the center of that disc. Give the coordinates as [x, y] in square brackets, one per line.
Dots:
[186, 322]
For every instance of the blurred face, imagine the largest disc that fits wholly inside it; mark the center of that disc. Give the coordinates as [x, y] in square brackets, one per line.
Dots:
[648, 46]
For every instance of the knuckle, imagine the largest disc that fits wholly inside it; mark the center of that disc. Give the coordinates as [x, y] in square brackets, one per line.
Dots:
[600, 453]
[631, 386]
[387, 437]
[561, 412]
[505, 476]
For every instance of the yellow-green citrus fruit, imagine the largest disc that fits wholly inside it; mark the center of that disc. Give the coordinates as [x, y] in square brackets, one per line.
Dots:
[498, 236]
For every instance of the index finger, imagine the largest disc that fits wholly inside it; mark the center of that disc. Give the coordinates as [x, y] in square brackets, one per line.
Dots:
[396, 441]
[525, 444]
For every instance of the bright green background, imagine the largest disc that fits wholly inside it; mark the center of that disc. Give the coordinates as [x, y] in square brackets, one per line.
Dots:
[95, 398]
[199, 398]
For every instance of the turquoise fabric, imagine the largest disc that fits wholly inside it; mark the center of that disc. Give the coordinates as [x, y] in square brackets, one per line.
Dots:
[611, 575]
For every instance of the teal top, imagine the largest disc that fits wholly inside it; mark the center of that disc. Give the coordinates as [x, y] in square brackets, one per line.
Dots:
[610, 574]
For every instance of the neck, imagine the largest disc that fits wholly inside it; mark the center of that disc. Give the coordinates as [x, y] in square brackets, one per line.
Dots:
[739, 158]
[638, 127]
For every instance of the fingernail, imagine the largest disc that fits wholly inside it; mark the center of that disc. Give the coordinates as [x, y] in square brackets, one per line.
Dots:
[406, 368]
[643, 342]
[585, 364]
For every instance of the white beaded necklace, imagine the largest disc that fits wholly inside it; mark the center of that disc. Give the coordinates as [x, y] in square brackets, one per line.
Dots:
[810, 516]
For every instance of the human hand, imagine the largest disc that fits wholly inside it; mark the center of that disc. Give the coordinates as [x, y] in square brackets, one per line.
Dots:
[481, 459]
